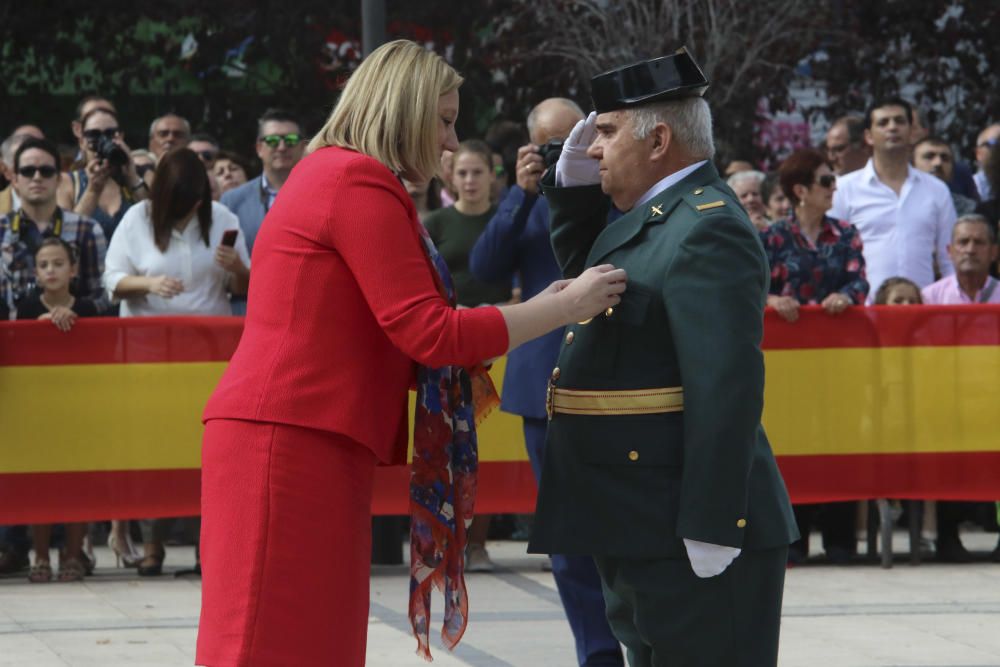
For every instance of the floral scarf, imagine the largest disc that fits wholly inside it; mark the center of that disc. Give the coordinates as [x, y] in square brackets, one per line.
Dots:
[451, 401]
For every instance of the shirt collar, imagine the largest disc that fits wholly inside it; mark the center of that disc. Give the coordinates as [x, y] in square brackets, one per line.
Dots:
[665, 183]
[266, 186]
[871, 176]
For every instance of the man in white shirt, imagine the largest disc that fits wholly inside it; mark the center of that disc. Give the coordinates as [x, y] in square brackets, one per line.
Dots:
[985, 142]
[905, 216]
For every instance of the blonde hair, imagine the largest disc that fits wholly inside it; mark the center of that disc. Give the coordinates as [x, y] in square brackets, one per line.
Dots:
[389, 108]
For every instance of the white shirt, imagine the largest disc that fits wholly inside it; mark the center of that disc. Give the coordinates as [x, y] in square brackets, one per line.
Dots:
[982, 185]
[901, 234]
[133, 252]
[665, 183]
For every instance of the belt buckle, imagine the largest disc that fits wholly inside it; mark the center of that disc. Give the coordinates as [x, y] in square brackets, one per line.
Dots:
[549, 398]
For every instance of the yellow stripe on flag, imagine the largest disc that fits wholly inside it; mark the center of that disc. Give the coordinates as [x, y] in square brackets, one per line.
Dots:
[104, 416]
[882, 401]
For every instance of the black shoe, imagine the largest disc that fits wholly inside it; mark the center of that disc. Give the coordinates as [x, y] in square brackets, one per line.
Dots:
[154, 568]
[796, 556]
[952, 551]
[12, 562]
[838, 556]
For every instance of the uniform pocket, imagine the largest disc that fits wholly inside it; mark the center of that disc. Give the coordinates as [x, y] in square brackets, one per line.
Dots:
[635, 440]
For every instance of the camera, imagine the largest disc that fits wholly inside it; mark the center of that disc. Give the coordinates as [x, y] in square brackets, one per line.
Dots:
[550, 151]
[106, 149]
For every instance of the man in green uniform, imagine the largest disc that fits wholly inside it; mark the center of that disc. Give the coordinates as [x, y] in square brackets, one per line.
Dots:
[655, 462]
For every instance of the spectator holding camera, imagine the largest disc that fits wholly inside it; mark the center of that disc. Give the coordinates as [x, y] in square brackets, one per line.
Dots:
[109, 184]
[516, 242]
[39, 217]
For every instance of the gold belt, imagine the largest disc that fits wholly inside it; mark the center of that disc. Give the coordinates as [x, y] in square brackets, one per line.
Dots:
[612, 402]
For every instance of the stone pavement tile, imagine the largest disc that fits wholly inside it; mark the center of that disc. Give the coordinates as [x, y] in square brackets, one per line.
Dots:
[100, 648]
[18, 650]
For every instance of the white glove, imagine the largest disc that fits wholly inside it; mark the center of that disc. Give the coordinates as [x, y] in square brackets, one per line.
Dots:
[574, 168]
[708, 560]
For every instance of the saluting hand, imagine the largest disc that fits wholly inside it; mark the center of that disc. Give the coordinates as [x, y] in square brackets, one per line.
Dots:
[575, 167]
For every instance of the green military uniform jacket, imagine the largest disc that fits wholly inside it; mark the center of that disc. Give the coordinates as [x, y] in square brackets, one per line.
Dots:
[691, 317]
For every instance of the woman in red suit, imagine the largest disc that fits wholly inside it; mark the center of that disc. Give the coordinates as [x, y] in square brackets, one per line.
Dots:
[347, 309]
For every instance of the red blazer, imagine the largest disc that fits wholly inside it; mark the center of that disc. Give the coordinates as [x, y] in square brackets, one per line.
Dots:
[342, 302]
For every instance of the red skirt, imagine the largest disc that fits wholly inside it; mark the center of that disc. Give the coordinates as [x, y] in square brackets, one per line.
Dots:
[285, 546]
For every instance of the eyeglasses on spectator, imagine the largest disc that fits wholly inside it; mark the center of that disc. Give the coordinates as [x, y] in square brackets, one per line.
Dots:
[274, 140]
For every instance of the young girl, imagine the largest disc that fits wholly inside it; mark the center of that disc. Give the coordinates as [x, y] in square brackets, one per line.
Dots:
[55, 267]
[898, 292]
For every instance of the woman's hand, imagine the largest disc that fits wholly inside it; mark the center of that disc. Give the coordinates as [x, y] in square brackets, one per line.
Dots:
[229, 259]
[786, 306]
[836, 303]
[594, 291]
[98, 173]
[61, 316]
[165, 286]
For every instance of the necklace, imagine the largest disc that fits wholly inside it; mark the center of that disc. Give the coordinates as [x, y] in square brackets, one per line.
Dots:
[69, 303]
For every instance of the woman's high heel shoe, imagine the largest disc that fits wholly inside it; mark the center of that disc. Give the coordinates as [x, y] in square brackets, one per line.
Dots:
[155, 567]
[124, 553]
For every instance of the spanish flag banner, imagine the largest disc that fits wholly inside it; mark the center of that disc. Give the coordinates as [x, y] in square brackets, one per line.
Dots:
[104, 421]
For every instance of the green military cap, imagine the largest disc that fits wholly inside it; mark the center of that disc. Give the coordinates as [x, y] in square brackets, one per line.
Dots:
[661, 79]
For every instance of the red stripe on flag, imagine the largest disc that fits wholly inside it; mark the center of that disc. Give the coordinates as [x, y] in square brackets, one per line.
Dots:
[120, 341]
[884, 326]
[92, 496]
[938, 476]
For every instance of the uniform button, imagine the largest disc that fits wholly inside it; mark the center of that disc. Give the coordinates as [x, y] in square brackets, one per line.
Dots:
[609, 312]
[698, 191]
[633, 455]
[569, 338]
[742, 523]
[555, 373]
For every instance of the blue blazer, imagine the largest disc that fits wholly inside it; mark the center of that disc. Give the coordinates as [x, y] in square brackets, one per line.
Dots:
[517, 240]
[248, 202]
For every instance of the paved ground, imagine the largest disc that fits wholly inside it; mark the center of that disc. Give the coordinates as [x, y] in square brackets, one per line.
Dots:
[857, 616]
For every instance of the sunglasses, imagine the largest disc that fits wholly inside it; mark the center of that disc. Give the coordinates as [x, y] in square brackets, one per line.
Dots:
[141, 169]
[826, 180]
[499, 170]
[45, 170]
[273, 140]
[94, 135]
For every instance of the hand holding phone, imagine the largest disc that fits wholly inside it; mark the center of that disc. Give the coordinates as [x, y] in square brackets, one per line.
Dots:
[229, 237]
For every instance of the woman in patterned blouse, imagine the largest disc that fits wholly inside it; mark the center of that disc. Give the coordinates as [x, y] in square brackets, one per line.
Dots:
[814, 259]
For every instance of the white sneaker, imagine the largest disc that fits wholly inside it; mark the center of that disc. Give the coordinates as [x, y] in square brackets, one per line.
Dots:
[477, 559]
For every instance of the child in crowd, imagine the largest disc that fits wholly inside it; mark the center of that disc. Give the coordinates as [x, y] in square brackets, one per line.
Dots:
[898, 292]
[55, 268]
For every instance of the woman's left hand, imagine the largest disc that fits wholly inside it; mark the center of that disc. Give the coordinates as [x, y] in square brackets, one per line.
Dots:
[229, 259]
[836, 303]
[62, 317]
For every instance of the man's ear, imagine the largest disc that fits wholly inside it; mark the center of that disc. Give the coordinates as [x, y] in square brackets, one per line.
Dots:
[868, 139]
[661, 137]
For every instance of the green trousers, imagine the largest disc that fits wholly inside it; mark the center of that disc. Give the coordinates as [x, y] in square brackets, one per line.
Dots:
[666, 616]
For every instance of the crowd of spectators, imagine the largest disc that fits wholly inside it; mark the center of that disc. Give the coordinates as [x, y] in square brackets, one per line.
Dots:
[884, 212]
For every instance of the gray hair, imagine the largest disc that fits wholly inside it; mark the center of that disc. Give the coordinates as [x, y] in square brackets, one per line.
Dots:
[689, 119]
[750, 175]
[565, 101]
[10, 146]
[977, 219]
[187, 125]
